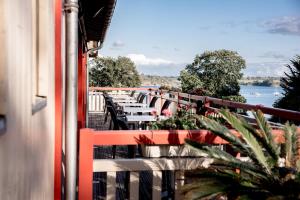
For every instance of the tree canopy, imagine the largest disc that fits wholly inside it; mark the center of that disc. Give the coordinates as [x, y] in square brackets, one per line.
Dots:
[216, 72]
[290, 84]
[111, 72]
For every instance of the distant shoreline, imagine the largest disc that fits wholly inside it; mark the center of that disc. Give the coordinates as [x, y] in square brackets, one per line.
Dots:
[172, 81]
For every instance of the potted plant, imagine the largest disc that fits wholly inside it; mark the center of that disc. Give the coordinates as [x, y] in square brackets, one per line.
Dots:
[272, 170]
[183, 120]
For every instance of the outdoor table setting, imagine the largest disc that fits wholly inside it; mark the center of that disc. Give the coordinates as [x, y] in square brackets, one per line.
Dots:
[124, 101]
[132, 104]
[132, 110]
[123, 98]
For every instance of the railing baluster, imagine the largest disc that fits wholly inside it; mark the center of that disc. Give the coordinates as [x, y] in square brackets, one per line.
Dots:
[91, 101]
[156, 188]
[111, 186]
[95, 101]
[179, 182]
[134, 185]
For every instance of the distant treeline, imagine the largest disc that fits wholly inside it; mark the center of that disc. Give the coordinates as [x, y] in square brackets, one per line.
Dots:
[260, 81]
[172, 81]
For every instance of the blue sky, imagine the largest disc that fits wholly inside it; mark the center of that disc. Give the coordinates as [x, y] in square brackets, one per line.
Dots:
[162, 36]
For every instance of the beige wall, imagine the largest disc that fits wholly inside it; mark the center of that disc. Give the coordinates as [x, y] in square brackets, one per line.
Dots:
[27, 147]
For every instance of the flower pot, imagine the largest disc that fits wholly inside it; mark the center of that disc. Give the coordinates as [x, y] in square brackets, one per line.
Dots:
[156, 151]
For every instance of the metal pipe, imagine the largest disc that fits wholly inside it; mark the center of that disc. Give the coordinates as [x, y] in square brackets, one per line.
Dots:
[71, 9]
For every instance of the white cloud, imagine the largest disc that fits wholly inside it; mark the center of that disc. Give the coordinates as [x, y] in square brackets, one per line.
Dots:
[265, 69]
[118, 44]
[141, 59]
[274, 55]
[287, 25]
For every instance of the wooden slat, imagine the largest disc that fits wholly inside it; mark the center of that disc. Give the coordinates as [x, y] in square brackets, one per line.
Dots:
[155, 164]
[134, 185]
[184, 95]
[111, 186]
[156, 185]
[179, 182]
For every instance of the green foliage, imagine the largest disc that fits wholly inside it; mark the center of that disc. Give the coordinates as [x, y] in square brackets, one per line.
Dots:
[170, 88]
[189, 81]
[263, 83]
[183, 120]
[236, 98]
[291, 87]
[110, 72]
[268, 174]
[216, 72]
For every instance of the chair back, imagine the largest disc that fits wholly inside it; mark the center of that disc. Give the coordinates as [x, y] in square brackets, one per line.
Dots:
[141, 100]
[139, 96]
[165, 106]
[152, 102]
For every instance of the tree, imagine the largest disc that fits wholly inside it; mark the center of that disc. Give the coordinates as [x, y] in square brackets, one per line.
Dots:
[272, 171]
[291, 87]
[111, 72]
[216, 72]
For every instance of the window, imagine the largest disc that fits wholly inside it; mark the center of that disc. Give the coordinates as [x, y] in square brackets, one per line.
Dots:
[39, 56]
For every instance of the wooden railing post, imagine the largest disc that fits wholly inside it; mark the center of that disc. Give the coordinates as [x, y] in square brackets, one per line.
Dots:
[178, 100]
[85, 183]
[206, 104]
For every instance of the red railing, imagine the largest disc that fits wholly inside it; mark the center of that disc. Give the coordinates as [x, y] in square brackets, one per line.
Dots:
[90, 138]
[208, 101]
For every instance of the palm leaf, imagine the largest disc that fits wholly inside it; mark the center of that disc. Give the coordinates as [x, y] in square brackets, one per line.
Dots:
[264, 142]
[257, 150]
[290, 144]
[224, 159]
[224, 133]
[266, 131]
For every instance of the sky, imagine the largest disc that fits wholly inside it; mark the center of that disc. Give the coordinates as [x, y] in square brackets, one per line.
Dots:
[162, 36]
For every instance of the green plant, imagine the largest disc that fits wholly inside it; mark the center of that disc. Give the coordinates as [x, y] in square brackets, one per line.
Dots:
[290, 84]
[113, 72]
[183, 120]
[216, 73]
[271, 172]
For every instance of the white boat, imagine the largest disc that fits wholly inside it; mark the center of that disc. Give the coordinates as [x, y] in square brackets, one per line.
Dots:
[276, 93]
[255, 93]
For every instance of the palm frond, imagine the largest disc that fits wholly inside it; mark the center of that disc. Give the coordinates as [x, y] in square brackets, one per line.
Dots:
[224, 133]
[257, 150]
[266, 131]
[262, 138]
[223, 158]
[290, 144]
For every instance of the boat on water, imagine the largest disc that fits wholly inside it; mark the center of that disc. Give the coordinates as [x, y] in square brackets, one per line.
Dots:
[255, 94]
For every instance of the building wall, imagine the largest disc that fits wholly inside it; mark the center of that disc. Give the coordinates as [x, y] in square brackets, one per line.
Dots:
[27, 70]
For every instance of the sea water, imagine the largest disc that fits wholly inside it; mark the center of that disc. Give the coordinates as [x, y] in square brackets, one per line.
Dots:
[261, 95]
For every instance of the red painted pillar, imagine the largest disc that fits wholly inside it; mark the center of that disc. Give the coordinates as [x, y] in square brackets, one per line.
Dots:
[58, 102]
[81, 88]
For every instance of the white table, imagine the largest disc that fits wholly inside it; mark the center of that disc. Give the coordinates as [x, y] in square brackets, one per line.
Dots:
[141, 118]
[124, 101]
[138, 109]
[122, 98]
[132, 104]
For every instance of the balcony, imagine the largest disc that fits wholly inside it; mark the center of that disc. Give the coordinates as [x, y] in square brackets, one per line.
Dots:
[107, 169]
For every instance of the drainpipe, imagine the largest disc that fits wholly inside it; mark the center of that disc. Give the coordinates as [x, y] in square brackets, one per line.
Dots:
[71, 9]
